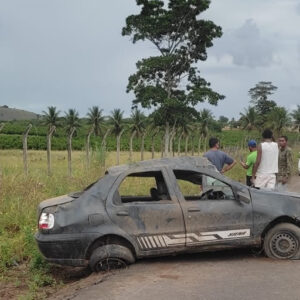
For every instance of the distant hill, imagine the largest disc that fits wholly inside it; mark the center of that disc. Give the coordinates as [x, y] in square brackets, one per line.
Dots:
[12, 114]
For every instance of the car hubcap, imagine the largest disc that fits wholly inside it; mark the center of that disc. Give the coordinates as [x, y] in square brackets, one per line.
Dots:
[284, 245]
[110, 264]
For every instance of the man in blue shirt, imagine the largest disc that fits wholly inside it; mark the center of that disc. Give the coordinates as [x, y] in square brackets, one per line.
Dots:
[219, 158]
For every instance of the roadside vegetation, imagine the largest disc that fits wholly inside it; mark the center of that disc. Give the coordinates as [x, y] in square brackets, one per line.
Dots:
[22, 268]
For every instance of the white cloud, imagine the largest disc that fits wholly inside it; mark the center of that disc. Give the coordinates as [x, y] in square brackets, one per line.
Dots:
[246, 46]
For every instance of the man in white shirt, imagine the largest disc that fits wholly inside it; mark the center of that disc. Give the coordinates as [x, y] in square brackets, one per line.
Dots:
[266, 166]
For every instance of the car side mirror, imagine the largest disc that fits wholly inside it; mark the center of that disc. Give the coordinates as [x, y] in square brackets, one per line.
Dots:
[243, 197]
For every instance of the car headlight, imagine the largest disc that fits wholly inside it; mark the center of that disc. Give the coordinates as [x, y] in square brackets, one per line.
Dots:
[46, 221]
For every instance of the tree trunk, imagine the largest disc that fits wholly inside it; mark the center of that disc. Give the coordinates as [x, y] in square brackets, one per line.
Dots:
[143, 145]
[152, 146]
[172, 140]
[118, 146]
[103, 148]
[25, 136]
[179, 144]
[167, 139]
[162, 146]
[130, 144]
[172, 135]
[186, 144]
[70, 136]
[193, 149]
[1, 126]
[87, 146]
[49, 137]
[199, 145]
[205, 144]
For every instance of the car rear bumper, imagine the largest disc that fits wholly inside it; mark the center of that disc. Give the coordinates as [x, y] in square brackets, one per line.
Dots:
[64, 249]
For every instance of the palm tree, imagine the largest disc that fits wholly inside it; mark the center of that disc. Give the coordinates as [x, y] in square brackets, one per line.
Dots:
[51, 120]
[296, 117]
[137, 128]
[116, 120]
[72, 122]
[249, 118]
[278, 119]
[96, 119]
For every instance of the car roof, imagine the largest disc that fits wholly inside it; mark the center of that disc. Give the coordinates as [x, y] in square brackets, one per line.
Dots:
[182, 162]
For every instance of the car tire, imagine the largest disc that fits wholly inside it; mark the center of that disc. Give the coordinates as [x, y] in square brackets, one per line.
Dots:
[283, 242]
[110, 257]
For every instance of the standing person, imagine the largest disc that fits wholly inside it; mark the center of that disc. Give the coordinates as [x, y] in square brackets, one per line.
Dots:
[285, 164]
[251, 159]
[219, 158]
[266, 166]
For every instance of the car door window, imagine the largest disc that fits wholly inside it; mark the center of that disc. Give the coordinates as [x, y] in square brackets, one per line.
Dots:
[196, 186]
[142, 187]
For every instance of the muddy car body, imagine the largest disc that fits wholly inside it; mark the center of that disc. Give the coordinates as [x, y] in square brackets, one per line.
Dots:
[188, 206]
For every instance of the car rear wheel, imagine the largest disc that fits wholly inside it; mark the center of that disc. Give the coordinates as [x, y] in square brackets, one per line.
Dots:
[283, 242]
[110, 257]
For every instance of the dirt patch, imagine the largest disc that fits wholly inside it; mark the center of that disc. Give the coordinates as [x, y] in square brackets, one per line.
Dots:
[71, 290]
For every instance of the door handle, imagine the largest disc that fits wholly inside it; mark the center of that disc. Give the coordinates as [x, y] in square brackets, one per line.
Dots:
[122, 213]
[193, 209]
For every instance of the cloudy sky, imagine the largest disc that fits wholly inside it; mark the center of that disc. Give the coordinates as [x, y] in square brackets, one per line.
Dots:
[71, 54]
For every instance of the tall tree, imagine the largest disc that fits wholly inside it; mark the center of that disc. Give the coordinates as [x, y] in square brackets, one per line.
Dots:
[170, 81]
[249, 118]
[116, 119]
[51, 120]
[260, 98]
[96, 119]
[278, 120]
[204, 119]
[296, 117]
[137, 127]
[72, 123]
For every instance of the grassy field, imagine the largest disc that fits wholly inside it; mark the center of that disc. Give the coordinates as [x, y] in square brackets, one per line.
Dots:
[20, 195]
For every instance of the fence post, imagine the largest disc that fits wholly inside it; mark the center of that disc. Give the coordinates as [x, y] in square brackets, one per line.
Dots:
[25, 136]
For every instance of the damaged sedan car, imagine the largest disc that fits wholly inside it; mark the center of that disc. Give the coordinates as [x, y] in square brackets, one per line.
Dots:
[165, 207]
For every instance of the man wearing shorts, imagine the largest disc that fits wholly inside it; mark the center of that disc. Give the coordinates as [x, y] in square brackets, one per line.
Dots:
[266, 166]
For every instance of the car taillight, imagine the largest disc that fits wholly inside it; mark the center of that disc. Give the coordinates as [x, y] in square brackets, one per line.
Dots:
[46, 221]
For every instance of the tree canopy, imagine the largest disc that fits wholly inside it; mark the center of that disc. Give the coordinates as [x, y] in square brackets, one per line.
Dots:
[170, 82]
[260, 97]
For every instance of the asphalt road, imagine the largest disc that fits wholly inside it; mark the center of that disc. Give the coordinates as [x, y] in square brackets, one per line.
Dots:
[230, 275]
[238, 274]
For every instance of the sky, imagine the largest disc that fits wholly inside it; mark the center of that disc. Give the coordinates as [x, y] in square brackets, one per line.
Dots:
[71, 54]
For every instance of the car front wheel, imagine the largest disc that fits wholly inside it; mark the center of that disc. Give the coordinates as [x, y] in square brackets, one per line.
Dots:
[110, 257]
[283, 242]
